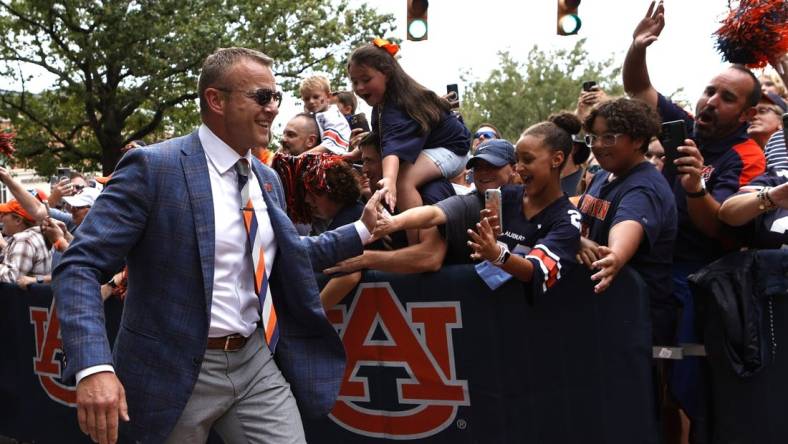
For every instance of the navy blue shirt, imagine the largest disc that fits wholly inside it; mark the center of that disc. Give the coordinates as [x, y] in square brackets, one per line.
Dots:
[402, 136]
[770, 229]
[641, 195]
[729, 164]
[550, 239]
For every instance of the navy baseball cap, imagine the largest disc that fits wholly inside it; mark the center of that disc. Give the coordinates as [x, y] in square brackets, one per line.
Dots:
[775, 99]
[498, 152]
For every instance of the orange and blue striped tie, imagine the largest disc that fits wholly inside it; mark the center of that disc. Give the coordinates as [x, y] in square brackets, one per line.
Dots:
[268, 314]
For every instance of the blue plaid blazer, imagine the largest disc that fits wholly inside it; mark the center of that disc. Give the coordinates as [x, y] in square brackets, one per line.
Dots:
[157, 215]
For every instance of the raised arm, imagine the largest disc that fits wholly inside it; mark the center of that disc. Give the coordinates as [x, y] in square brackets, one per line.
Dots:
[637, 82]
[25, 199]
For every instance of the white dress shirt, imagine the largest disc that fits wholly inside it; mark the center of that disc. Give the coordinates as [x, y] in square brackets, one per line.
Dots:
[235, 307]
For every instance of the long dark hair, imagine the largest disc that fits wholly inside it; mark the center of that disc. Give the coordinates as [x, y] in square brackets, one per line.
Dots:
[421, 104]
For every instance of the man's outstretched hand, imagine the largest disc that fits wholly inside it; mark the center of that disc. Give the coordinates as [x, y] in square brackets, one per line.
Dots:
[101, 400]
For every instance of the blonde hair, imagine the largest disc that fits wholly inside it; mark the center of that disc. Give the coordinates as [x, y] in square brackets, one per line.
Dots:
[778, 83]
[312, 83]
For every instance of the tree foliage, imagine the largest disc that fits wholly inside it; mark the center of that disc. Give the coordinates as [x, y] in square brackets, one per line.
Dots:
[517, 95]
[127, 69]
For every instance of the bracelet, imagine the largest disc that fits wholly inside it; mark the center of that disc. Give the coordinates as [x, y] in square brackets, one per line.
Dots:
[696, 194]
[765, 203]
[60, 245]
[502, 256]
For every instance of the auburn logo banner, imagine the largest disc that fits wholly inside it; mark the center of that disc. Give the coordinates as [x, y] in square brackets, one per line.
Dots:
[379, 332]
[435, 358]
[47, 364]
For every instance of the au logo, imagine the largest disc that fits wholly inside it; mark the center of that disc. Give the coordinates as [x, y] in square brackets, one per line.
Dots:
[418, 340]
[48, 346]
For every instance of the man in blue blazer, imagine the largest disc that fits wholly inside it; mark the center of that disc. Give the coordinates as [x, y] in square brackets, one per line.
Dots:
[191, 353]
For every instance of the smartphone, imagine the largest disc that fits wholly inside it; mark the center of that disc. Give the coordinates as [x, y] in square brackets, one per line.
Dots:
[672, 136]
[359, 121]
[588, 85]
[492, 202]
[452, 88]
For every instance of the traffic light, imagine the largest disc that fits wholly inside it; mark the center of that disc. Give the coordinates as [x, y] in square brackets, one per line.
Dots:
[568, 21]
[417, 19]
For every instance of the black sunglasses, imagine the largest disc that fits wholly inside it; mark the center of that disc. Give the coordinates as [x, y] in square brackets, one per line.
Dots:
[262, 96]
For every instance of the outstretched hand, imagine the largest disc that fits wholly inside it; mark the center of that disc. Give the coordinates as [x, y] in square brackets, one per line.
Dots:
[386, 224]
[483, 242]
[348, 265]
[650, 27]
[609, 265]
[588, 253]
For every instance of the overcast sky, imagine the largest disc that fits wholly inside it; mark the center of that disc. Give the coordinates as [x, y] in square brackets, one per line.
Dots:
[466, 35]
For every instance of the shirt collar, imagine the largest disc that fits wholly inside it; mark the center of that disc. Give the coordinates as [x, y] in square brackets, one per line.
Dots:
[725, 144]
[219, 153]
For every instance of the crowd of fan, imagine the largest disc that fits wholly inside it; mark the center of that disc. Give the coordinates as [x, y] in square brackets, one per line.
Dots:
[589, 187]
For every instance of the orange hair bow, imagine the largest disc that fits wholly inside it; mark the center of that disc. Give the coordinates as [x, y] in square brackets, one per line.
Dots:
[391, 48]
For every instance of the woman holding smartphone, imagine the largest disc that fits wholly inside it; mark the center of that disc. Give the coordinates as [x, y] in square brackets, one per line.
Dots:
[540, 229]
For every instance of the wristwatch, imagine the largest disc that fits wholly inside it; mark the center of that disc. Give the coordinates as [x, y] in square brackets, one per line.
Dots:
[504, 255]
[39, 279]
[700, 193]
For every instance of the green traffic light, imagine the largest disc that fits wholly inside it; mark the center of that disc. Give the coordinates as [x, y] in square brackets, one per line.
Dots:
[570, 24]
[417, 29]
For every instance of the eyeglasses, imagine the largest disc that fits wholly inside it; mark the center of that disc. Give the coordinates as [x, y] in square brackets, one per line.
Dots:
[262, 96]
[764, 109]
[607, 139]
[484, 135]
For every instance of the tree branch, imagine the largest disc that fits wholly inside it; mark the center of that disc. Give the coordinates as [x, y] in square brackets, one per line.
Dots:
[159, 116]
[29, 114]
[48, 31]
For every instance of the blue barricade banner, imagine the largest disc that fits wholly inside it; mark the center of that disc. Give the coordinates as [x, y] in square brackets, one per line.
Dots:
[435, 357]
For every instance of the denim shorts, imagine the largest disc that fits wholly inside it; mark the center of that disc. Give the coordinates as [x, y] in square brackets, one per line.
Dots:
[450, 163]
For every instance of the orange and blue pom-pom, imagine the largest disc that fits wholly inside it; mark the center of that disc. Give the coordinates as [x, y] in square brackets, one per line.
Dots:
[754, 33]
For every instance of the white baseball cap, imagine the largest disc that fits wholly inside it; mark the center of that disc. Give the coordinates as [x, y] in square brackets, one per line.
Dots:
[84, 199]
